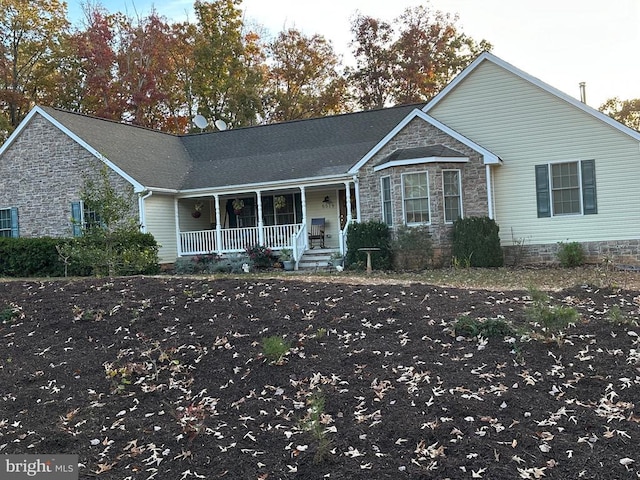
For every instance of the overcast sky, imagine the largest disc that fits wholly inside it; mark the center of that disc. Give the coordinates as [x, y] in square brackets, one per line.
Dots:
[561, 42]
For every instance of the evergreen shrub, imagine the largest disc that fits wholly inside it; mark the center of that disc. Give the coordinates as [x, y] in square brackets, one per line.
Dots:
[476, 242]
[373, 234]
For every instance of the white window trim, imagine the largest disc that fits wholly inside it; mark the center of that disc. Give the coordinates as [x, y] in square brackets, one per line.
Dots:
[419, 161]
[382, 198]
[444, 210]
[404, 213]
[553, 212]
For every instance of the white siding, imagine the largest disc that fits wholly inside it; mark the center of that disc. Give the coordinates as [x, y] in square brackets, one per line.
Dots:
[525, 125]
[160, 222]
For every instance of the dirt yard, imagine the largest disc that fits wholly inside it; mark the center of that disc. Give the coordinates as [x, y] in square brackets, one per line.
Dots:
[167, 378]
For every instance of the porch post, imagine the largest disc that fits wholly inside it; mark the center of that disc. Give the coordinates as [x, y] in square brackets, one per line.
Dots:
[260, 222]
[347, 192]
[303, 199]
[218, 225]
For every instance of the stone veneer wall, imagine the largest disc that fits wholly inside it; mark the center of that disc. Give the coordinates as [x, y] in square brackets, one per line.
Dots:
[42, 173]
[419, 133]
[618, 251]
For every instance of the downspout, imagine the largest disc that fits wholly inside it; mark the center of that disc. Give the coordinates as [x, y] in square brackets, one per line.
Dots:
[177, 223]
[357, 188]
[142, 214]
[489, 191]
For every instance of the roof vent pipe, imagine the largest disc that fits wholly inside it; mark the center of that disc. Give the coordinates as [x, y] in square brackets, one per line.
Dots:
[583, 92]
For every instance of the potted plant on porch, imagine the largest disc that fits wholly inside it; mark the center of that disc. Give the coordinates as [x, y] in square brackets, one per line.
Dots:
[280, 202]
[238, 205]
[336, 260]
[286, 257]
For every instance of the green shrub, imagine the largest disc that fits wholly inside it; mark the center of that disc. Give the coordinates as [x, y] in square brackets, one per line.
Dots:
[476, 242]
[373, 234]
[275, 348]
[553, 318]
[489, 328]
[34, 257]
[261, 256]
[123, 252]
[412, 248]
[570, 254]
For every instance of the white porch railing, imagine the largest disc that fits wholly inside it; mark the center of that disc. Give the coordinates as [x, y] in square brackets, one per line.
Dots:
[198, 243]
[237, 239]
[299, 243]
[279, 236]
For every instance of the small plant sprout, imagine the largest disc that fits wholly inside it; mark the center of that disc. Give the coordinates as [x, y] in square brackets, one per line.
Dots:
[275, 348]
[315, 423]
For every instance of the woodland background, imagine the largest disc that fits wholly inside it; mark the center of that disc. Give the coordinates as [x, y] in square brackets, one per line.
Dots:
[156, 73]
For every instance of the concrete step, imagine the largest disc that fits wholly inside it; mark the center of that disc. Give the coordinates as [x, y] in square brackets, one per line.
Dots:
[315, 259]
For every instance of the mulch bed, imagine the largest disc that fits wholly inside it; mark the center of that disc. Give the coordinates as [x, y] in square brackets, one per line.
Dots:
[166, 378]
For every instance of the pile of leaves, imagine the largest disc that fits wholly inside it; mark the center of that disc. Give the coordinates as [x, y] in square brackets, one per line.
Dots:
[174, 378]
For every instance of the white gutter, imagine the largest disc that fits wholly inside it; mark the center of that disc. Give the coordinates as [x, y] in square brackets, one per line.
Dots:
[489, 191]
[252, 187]
[142, 215]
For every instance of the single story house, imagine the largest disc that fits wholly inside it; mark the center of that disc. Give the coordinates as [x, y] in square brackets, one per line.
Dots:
[495, 142]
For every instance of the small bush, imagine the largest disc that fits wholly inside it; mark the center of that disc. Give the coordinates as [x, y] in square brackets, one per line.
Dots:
[553, 318]
[412, 248]
[476, 242]
[490, 328]
[261, 256]
[372, 234]
[570, 254]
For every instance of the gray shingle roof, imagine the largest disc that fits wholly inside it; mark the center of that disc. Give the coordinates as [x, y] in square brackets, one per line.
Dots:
[270, 153]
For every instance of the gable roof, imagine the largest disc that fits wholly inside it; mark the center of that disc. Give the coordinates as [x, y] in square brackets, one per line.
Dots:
[489, 57]
[489, 157]
[297, 150]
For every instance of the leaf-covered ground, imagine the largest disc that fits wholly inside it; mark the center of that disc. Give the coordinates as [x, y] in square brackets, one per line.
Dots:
[166, 378]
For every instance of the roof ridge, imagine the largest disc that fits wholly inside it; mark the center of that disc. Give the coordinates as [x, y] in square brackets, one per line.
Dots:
[110, 120]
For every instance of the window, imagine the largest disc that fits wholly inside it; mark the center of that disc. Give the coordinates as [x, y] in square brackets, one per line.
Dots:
[289, 213]
[415, 197]
[9, 222]
[83, 218]
[451, 188]
[567, 188]
[387, 214]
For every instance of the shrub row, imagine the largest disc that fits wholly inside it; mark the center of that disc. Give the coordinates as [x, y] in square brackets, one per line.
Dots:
[136, 253]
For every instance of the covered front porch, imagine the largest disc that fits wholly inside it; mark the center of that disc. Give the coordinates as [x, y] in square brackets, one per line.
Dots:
[227, 223]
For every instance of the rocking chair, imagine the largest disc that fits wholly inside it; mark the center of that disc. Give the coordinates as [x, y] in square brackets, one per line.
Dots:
[317, 232]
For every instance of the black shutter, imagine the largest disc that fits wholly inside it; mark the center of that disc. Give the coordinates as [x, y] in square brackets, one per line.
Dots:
[542, 191]
[589, 201]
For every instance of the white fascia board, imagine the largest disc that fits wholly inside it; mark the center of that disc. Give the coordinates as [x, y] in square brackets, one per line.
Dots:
[419, 161]
[253, 187]
[5, 146]
[137, 186]
[486, 56]
[489, 158]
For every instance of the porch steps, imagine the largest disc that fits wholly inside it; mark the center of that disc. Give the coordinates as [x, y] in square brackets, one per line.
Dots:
[316, 259]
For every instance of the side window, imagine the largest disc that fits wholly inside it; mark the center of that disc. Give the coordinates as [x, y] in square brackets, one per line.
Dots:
[9, 222]
[415, 197]
[82, 217]
[567, 188]
[452, 192]
[387, 214]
